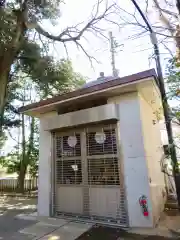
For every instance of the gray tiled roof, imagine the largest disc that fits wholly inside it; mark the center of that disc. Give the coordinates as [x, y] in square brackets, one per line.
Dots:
[99, 81]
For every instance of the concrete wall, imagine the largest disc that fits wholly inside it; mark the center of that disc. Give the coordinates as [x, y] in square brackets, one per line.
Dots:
[154, 153]
[44, 184]
[134, 159]
[85, 116]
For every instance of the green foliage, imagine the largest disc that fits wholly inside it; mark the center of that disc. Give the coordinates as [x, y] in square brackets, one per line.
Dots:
[11, 115]
[32, 74]
[173, 84]
[3, 138]
[44, 9]
[33, 165]
[46, 78]
[39, 76]
[7, 28]
[51, 77]
[173, 80]
[13, 160]
[36, 10]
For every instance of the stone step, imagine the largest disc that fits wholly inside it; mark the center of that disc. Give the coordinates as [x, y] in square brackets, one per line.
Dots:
[171, 204]
[171, 197]
[171, 201]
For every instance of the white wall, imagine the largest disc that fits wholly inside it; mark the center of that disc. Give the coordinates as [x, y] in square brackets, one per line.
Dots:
[154, 153]
[134, 159]
[44, 179]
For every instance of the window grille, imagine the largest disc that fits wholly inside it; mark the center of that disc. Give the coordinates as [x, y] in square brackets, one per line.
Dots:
[68, 172]
[64, 147]
[99, 181]
[103, 171]
[101, 142]
[102, 157]
[68, 166]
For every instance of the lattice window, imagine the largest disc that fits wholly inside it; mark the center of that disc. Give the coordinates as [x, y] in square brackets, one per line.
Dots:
[101, 142]
[68, 146]
[103, 171]
[68, 172]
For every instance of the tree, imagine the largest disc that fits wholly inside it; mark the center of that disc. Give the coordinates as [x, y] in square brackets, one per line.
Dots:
[173, 90]
[34, 77]
[164, 19]
[20, 20]
[45, 81]
[169, 18]
[3, 138]
[173, 84]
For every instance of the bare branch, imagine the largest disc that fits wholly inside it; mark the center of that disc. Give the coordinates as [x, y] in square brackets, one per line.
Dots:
[98, 32]
[146, 29]
[167, 29]
[147, 5]
[85, 52]
[43, 44]
[72, 33]
[168, 49]
[66, 50]
[164, 19]
[165, 10]
[9, 132]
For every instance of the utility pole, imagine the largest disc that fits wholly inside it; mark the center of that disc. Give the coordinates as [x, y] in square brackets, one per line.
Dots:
[178, 5]
[164, 103]
[113, 51]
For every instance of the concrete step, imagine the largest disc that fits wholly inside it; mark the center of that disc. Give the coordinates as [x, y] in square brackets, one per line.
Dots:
[171, 204]
[171, 201]
[172, 197]
[64, 230]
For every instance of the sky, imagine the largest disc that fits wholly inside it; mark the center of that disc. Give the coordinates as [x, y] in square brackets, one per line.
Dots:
[132, 57]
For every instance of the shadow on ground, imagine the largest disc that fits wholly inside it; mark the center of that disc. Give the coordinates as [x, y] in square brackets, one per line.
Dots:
[169, 225]
[9, 208]
[15, 205]
[108, 233]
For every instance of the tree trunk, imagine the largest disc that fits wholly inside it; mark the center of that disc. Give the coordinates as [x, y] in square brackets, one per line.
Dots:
[23, 162]
[31, 143]
[21, 178]
[6, 61]
[31, 140]
[8, 55]
[3, 88]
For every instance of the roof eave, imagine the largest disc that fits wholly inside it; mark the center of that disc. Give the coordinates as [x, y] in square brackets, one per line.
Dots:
[80, 93]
